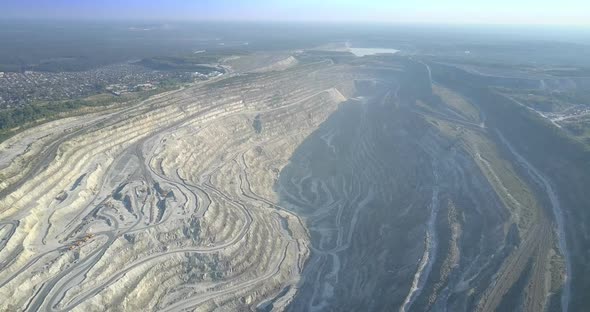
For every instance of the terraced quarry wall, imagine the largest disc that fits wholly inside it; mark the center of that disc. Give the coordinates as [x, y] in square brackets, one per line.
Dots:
[410, 199]
[365, 185]
[153, 207]
[556, 165]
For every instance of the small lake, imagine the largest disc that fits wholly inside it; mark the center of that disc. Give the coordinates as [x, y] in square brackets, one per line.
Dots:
[371, 51]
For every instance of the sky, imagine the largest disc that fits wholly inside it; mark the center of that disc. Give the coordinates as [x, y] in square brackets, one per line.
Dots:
[533, 12]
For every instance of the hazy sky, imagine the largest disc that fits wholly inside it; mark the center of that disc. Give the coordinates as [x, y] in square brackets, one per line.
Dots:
[563, 12]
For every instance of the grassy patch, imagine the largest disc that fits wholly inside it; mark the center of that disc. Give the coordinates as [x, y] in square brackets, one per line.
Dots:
[456, 101]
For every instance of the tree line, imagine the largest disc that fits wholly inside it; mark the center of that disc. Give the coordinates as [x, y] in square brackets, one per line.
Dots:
[14, 117]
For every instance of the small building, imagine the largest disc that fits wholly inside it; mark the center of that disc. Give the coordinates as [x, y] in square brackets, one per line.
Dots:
[144, 87]
[1, 74]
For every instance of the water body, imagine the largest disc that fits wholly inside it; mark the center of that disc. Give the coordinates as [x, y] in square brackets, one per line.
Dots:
[371, 51]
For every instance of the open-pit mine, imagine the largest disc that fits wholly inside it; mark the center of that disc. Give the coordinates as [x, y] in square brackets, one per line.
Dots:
[322, 182]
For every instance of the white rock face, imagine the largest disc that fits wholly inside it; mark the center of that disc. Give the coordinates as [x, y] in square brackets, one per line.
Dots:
[279, 65]
[165, 205]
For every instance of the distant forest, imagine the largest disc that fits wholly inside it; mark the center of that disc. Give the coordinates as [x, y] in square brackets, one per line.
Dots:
[76, 46]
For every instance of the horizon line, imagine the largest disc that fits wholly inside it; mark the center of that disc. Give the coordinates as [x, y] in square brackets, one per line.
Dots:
[290, 21]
